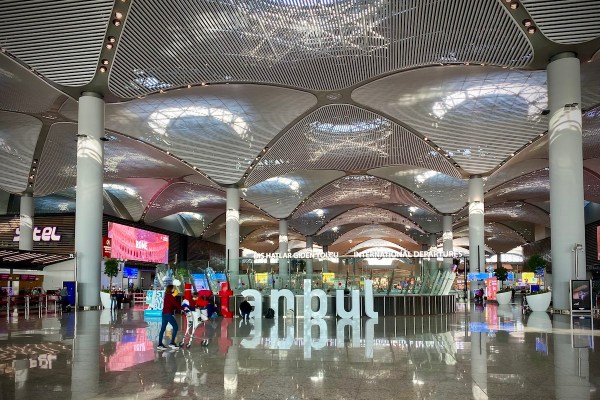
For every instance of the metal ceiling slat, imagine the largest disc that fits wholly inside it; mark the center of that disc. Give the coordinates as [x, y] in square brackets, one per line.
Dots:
[317, 51]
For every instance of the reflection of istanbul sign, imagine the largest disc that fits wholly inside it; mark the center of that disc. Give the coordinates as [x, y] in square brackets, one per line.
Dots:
[308, 311]
[329, 254]
[45, 234]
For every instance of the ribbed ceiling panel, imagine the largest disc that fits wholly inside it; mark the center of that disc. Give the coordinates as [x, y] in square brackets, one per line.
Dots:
[219, 129]
[370, 215]
[374, 232]
[447, 194]
[185, 197]
[430, 221]
[591, 186]
[566, 22]
[280, 195]
[58, 163]
[517, 211]
[362, 190]
[478, 116]
[591, 134]
[18, 138]
[347, 138]
[134, 193]
[246, 220]
[533, 186]
[21, 90]
[310, 222]
[325, 45]
[375, 243]
[61, 39]
[54, 204]
[123, 158]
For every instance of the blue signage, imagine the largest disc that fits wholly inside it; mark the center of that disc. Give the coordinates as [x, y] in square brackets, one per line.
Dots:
[478, 276]
[130, 272]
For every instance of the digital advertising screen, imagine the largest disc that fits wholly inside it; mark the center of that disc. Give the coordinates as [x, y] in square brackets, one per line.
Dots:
[130, 243]
[200, 282]
[581, 295]
[130, 272]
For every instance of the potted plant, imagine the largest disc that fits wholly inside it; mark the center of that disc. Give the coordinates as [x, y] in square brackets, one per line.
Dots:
[503, 296]
[540, 300]
[537, 264]
[111, 269]
[501, 274]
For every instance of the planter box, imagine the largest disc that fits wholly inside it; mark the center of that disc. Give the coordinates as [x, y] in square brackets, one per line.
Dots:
[539, 302]
[105, 300]
[503, 298]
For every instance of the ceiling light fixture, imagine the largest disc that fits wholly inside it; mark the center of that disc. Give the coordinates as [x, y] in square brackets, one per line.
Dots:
[531, 30]
[103, 69]
[514, 5]
[109, 46]
[104, 61]
[118, 15]
[527, 23]
[116, 22]
[112, 39]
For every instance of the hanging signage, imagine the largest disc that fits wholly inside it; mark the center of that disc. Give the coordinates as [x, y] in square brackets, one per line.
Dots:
[106, 247]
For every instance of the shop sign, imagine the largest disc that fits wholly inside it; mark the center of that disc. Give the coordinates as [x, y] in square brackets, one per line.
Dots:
[44, 234]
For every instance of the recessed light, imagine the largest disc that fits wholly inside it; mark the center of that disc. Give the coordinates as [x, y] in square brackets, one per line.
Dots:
[527, 23]
[112, 39]
[514, 5]
[116, 22]
[118, 15]
[103, 69]
[531, 30]
[109, 46]
[105, 62]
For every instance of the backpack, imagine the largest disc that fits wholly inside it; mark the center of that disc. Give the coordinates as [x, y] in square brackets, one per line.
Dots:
[270, 313]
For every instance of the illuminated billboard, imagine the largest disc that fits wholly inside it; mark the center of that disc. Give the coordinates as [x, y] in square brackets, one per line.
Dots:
[129, 243]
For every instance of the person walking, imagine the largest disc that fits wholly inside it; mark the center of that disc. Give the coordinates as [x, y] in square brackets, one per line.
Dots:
[169, 306]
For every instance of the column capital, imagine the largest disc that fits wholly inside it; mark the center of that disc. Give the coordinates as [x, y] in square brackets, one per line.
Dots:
[565, 54]
[92, 94]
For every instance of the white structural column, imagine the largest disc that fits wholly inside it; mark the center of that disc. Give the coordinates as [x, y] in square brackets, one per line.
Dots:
[433, 267]
[88, 206]
[566, 175]
[476, 225]
[26, 223]
[447, 239]
[309, 261]
[283, 247]
[232, 230]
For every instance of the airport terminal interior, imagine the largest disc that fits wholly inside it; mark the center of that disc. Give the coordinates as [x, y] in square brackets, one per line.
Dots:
[443, 153]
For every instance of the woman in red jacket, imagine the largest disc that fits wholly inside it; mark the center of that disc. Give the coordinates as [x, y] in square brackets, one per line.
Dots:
[169, 306]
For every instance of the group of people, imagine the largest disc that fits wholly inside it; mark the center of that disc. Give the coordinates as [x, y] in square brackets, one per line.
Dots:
[205, 306]
[170, 305]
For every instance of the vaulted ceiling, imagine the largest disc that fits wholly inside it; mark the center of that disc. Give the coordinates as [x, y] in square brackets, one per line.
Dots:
[359, 121]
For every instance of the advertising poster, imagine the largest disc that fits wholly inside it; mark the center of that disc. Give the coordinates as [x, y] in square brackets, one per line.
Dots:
[328, 277]
[130, 243]
[261, 278]
[581, 295]
[491, 288]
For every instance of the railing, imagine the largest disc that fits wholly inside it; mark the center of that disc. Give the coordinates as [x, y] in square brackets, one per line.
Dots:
[26, 304]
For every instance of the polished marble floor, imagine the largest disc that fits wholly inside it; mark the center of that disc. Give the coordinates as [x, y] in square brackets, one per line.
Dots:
[491, 352]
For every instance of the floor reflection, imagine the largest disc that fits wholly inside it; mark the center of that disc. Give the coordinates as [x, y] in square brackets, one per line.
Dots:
[484, 353]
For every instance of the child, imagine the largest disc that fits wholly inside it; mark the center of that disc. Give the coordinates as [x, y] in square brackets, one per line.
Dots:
[191, 314]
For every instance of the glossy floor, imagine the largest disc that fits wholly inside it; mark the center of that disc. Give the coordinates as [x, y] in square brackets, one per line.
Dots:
[481, 353]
